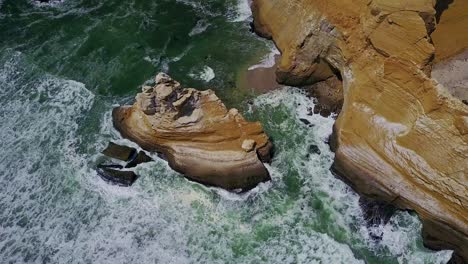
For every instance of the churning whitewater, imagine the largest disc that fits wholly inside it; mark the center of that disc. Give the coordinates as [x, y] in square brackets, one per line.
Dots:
[56, 100]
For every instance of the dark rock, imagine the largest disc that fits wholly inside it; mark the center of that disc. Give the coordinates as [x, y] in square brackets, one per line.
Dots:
[314, 149]
[305, 121]
[266, 153]
[140, 158]
[325, 112]
[376, 212]
[114, 174]
[436, 237]
[119, 152]
[456, 259]
[328, 96]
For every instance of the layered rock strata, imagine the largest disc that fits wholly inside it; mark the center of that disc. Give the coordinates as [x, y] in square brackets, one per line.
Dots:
[197, 134]
[450, 36]
[400, 137]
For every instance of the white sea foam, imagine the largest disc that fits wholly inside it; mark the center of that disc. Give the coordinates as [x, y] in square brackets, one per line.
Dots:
[399, 237]
[269, 60]
[55, 209]
[202, 6]
[199, 28]
[48, 3]
[206, 74]
[181, 55]
[242, 11]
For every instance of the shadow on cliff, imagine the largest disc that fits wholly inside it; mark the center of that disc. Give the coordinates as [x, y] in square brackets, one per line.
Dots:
[440, 7]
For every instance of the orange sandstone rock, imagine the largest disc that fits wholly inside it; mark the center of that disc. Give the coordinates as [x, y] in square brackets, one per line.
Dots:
[401, 136]
[197, 134]
[451, 32]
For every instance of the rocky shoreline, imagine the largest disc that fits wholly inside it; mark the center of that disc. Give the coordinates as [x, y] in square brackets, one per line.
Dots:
[401, 137]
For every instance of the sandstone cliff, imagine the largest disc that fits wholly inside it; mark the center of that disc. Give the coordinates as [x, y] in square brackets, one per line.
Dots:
[450, 37]
[400, 136]
[197, 134]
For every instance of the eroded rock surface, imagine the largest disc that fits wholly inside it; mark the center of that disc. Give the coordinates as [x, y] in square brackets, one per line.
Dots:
[328, 95]
[401, 137]
[197, 134]
[450, 36]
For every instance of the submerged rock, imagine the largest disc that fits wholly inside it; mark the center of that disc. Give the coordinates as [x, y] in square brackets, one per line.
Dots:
[197, 134]
[114, 174]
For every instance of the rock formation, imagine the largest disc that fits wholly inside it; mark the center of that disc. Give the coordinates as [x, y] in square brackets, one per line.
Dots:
[114, 174]
[400, 136]
[127, 154]
[197, 134]
[450, 36]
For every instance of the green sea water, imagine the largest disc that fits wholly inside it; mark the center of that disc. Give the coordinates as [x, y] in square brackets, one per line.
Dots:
[63, 66]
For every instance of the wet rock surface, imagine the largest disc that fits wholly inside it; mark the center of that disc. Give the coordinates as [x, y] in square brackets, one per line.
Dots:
[119, 152]
[139, 158]
[115, 175]
[197, 134]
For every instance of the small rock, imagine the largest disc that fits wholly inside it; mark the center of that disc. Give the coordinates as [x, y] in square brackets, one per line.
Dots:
[140, 158]
[114, 174]
[325, 112]
[162, 78]
[265, 153]
[317, 109]
[314, 149]
[305, 121]
[119, 152]
[248, 145]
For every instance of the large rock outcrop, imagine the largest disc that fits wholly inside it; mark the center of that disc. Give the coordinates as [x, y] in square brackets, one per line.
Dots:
[197, 134]
[400, 137]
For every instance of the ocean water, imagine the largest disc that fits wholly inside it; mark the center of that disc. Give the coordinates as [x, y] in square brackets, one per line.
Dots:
[63, 66]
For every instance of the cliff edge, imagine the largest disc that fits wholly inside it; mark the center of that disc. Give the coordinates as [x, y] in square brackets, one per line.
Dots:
[401, 137]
